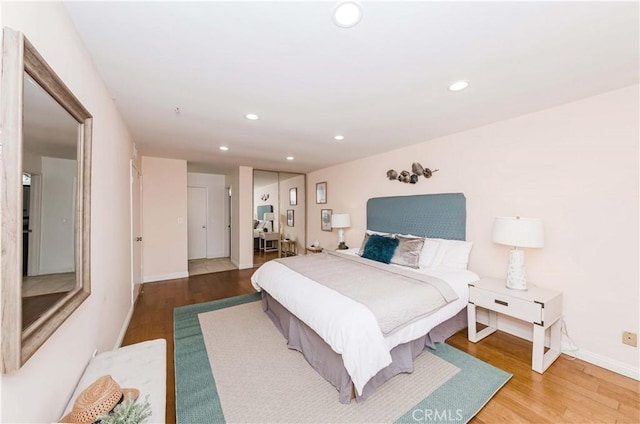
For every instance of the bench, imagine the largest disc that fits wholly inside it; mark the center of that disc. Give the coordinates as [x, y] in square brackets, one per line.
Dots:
[141, 366]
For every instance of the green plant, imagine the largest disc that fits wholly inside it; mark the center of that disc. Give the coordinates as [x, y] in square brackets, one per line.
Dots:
[128, 412]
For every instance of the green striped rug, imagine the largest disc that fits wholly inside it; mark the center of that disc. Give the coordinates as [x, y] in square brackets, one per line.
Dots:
[197, 401]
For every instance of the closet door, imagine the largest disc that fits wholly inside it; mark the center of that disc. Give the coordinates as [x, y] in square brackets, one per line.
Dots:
[197, 222]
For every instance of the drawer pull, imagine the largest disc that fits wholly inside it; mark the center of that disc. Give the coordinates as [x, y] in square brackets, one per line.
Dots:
[501, 302]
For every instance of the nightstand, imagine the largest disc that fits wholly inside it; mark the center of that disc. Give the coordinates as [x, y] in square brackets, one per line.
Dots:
[314, 249]
[269, 242]
[538, 306]
[287, 248]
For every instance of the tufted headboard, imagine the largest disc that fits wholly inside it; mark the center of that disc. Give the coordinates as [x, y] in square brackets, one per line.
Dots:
[427, 215]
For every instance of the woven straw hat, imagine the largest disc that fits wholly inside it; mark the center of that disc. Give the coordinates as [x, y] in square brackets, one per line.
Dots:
[97, 399]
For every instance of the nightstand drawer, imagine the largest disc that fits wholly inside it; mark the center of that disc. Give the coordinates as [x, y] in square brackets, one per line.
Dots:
[508, 305]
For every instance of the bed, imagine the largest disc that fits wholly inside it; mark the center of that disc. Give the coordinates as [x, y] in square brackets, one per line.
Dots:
[348, 343]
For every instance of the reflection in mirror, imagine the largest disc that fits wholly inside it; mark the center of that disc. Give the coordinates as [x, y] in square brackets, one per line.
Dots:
[49, 167]
[46, 209]
[271, 191]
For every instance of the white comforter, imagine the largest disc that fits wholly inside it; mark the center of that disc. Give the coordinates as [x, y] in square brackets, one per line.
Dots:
[349, 327]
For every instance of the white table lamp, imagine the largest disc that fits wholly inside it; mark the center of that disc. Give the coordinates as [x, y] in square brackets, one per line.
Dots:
[341, 221]
[518, 232]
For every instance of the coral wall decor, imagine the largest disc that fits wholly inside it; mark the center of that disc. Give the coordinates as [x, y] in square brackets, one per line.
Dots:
[412, 177]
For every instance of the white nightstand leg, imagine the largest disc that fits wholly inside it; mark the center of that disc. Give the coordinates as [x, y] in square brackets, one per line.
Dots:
[541, 360]
[471, 322]
[474, 335]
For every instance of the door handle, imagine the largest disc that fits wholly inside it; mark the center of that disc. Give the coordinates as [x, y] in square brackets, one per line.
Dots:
[204, 226]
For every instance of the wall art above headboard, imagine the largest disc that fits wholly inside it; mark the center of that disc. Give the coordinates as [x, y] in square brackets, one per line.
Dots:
[417, 170]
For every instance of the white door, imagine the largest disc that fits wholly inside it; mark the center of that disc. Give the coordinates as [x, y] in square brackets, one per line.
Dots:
[136, 233]
[197, 222]
[35, 211]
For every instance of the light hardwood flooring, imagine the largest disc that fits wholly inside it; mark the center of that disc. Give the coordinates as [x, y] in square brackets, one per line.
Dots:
[48, 283]
[570, 391]
[207, 266]
[261, 257]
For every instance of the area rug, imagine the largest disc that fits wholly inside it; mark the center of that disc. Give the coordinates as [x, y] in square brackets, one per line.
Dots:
[257, 379]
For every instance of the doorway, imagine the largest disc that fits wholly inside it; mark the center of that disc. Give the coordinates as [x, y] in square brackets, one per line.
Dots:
[136, 232]
[31, 211]
[197, 222]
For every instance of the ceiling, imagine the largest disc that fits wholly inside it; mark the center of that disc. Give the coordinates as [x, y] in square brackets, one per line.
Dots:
[382, 84]
[48, 129]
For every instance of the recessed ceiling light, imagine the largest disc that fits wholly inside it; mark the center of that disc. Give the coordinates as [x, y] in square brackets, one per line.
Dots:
[338, 137]
[252, 116]
[459, 85]
[289, 157]
[347, 14]
[224, 148]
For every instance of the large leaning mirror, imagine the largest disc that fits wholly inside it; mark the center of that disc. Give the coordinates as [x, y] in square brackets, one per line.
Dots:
[46, 171]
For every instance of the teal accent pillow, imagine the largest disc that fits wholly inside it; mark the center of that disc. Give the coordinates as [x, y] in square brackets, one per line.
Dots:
[379, 248]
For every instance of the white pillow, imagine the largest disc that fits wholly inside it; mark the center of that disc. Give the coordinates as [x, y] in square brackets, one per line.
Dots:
[380, 233]
[452, 253]
[429, 250]
[429, 253]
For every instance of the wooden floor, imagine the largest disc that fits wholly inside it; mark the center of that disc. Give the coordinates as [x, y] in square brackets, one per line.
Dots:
[569, 391]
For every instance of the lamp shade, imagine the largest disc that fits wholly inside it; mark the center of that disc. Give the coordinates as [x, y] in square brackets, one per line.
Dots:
[518, 232]
[340, 220]
[269, 216]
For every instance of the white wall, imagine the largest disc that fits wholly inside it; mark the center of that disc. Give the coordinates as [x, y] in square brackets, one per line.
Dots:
[241, 183]
[31, 162]
[245, 217]
[232, 181]
[164, 220]
[39, 391]
[217, 212]
[57, 227]
[575, 166]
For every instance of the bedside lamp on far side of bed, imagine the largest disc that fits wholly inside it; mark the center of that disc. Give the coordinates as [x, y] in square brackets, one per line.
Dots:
[518, 232]
[341, 221]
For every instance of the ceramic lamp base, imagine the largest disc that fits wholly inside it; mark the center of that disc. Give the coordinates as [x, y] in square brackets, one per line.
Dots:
[516, 274]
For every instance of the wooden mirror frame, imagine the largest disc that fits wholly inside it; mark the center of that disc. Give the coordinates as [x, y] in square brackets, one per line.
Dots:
[19, 56]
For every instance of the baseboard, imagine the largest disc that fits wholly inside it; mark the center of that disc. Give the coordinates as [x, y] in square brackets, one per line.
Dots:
[241, 265]
[524, 331]
[245, 266]
[602, 361]
[163, 277]
[125, 326]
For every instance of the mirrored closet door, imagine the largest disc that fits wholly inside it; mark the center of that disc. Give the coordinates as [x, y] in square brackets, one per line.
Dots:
[278, 214]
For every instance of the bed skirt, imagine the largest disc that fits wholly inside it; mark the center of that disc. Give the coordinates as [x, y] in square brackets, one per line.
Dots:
[329, 364]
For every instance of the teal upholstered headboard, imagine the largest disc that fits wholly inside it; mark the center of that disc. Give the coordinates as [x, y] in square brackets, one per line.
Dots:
[428, 215]
[262, 209]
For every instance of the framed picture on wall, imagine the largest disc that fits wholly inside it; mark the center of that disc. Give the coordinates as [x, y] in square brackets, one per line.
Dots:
[293, 196]
[321, 192]
[325, 219]
[289, 217]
